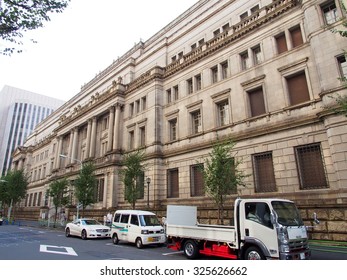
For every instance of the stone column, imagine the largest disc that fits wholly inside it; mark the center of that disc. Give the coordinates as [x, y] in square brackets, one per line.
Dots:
[117, 128]
[104, 199]
[110, 129]
[93, 138]
[89, 129]
[69, 159]
[74, 145]
[58, 152]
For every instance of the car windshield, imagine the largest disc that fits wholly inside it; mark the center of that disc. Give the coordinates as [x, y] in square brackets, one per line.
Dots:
[149, 220]
[90, 222]
[288, 214]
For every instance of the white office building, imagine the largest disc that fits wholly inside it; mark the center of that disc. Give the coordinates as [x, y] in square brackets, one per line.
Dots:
[20, 112]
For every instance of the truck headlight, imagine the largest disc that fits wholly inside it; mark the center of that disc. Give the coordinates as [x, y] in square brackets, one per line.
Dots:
[284, 248]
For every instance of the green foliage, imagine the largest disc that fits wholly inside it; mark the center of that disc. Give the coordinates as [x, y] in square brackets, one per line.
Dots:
[132, 176]
[221, 174]
[58, 190]
[17, 17]
[13, 187]
[85, 185]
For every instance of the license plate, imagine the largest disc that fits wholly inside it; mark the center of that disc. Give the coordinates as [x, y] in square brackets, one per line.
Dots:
[153, 239]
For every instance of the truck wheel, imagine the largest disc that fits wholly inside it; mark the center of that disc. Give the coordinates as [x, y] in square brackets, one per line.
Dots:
[115, 239]
[191, 249]
[254, 253]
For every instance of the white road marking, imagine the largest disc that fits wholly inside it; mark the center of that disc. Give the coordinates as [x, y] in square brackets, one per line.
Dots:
[50, 249]
[172, 253]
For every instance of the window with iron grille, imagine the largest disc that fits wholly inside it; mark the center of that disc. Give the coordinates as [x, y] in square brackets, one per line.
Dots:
[140, 183]
[190, 86]
[196, 180]
[264, 175]
[310, 165]
[172, 183]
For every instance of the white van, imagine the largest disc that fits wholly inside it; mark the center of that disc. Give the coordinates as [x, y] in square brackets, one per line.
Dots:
[136, 226]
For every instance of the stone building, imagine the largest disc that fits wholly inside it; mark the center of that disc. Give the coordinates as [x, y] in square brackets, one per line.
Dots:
[260, 72]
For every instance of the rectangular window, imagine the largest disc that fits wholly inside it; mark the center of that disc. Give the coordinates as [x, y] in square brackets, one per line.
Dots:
[244, 60]
[341, 60]
[173, 129]
[254, 9]
[196, 180]
[175, 94]
[193, 47]
[216, 32]
[214, 74]
[140, 183]
[297, 88]
[131, 109]
[142, 136]
[224, 67]
[168, 96]
[264, 175]
[330, 12]
[243, 15]
[281, 43]
[196, 122]
[201, 42]
[172, 183]
[223, 113]
[310, 166]
[144, 103]
[257, 59]
[131, 140]
[198, 82]
[138, 106]
[256, 102]
[296, 36]
[190, 86]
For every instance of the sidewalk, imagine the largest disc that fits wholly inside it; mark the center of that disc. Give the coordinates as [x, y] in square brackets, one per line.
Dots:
[36, 223]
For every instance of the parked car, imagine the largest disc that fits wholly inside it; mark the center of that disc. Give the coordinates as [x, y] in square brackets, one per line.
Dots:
[87, 228]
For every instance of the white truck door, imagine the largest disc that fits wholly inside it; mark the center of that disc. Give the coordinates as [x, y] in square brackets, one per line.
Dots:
[255, 224]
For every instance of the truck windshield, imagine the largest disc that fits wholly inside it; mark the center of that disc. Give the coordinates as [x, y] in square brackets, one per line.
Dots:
[288, 214]
[149, 220]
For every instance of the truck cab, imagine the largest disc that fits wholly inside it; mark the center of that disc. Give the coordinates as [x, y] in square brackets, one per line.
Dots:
[271, 228]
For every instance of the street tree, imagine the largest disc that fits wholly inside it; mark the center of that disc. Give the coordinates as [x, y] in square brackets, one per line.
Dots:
[58, 191]
[20, 16]
[132, 176]
[86, 186]
[13, 188]
[222, 175]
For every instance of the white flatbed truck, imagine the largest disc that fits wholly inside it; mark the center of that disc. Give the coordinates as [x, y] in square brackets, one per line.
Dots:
[263, 229]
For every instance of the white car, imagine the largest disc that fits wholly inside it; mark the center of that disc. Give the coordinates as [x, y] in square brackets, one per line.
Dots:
[87, 228]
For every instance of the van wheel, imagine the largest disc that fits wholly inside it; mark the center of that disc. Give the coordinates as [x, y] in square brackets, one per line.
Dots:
[139, 243]
[254, 253]
[115, 239]
[191, 249]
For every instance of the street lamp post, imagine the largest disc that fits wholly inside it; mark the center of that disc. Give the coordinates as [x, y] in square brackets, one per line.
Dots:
[148, 180]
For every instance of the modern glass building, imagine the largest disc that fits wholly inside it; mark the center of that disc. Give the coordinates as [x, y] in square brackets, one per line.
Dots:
[20, 112]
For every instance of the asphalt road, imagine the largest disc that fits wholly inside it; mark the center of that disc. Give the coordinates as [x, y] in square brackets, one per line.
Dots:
[33, 243]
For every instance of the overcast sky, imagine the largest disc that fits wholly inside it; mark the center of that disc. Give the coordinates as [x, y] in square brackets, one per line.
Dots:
[82, 41]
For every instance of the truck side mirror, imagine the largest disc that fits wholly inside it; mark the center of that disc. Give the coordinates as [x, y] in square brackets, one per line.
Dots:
[273, 218]
[315, 219]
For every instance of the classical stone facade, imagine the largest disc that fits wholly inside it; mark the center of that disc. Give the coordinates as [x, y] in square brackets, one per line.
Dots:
[259, 72]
